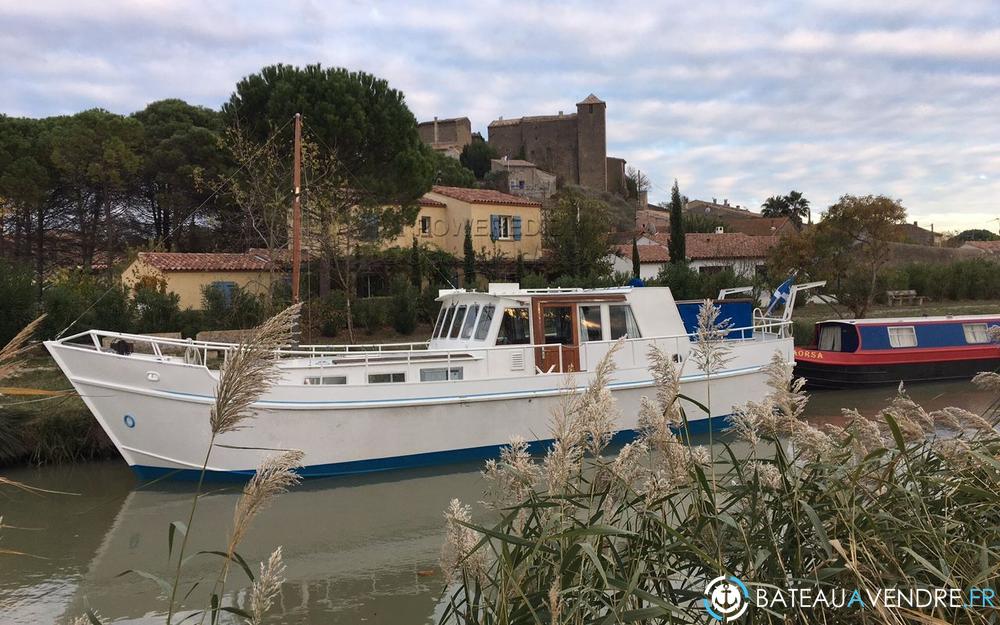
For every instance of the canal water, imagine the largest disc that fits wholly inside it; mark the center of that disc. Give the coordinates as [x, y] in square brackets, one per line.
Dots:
[358, 549]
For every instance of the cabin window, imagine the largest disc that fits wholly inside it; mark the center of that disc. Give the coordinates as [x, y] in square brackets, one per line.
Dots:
[447, 322]
[902, 336]
[976, 333]
[470, 321]
[437, 324]
[485, 320]
[440, 374]
[385, 378]
[326, 379]
[514, 327]
[830, 339]
[459, 318]
[623, 322]
[590, 323]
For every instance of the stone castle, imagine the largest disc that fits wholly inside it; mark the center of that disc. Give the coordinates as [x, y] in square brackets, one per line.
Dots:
[572, 146]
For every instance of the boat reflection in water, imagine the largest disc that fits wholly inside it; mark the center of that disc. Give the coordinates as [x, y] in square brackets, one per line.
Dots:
[357, 548]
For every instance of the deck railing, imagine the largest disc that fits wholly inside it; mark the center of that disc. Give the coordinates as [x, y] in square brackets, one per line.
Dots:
[316, 356]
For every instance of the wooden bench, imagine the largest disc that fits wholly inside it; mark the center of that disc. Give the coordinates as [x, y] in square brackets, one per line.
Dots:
[908, 297]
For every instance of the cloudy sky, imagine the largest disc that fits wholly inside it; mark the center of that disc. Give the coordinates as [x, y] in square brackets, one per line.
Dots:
[735, 101]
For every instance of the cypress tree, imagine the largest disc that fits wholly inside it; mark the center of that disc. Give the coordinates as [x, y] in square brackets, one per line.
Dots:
[677, 252]
[470, 257]
[416, 275]
[636, 264]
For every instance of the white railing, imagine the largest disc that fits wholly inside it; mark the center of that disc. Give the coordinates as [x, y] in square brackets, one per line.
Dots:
[496, 358]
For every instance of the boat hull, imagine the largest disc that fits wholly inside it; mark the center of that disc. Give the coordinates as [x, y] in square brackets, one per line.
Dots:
[847, 376]
[162, 427]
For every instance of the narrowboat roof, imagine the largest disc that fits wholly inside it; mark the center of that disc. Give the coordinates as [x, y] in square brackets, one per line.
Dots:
[881, 321]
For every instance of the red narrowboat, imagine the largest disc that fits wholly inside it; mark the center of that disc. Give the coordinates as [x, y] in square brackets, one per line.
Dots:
[852, 353]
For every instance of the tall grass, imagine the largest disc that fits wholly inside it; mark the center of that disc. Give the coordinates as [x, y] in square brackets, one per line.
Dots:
[903, 499]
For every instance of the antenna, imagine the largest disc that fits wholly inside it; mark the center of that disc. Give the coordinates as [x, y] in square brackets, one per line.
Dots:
[297, 209]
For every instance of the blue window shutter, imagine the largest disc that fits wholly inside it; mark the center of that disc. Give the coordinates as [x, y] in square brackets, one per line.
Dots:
[494, 227]
[516, 227]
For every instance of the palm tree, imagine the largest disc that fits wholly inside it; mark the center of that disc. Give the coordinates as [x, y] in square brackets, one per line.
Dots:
[794, 206]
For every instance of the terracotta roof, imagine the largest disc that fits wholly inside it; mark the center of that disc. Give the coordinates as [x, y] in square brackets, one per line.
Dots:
[992, 247]
[759, 226]
[203, 261]
[426, 201]
[700, 246]
[647, 253]
[483, 196]
[728, 245]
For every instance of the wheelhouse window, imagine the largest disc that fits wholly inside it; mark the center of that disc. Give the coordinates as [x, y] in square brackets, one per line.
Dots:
[440, 374]
[386, 378]
[514, 327]
[485, 319]
[446, 324]
[437, 324]
[623, 322]
[976, 333]
[470, 321]
[459, 319]
[590, 323]
[902, 336]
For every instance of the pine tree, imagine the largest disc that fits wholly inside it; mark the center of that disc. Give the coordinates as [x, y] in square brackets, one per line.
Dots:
[677, 252]
[636, 263]
[470, 257]
[416, 275]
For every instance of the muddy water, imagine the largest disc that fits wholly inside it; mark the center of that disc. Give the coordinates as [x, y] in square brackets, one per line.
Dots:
[358, 550]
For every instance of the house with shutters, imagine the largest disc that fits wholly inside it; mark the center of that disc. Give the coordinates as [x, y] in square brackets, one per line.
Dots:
[188, 273]
[500, 222]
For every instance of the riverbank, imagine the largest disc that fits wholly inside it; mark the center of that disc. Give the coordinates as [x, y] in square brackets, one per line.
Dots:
[46, 429]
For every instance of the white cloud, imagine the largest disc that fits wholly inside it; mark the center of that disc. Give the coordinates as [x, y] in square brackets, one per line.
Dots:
[734, 99]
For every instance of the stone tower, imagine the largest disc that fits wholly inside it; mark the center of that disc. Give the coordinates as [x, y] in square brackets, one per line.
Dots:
[591, 143]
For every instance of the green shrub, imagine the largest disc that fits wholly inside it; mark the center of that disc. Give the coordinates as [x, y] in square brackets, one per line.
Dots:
[403, 306]
[157, 310]
[234, 308]
[369, 313]
[326, 316]
[92, 302]
[17, 292]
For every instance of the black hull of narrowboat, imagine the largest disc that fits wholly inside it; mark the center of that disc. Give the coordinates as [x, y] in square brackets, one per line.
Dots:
[824, 376]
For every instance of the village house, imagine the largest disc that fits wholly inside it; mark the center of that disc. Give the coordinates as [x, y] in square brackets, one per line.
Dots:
[982, 247]
[744, 254]
[501, 223]
[523, 178]
[448, 136]
[915, 235]
[188, 273]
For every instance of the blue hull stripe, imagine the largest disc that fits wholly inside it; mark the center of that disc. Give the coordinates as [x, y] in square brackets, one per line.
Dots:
[149, 473]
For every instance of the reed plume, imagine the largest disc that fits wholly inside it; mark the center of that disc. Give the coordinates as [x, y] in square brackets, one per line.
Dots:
[459, 553]
[10, 354]
[710, 351]
[249, 371]
[274, 476]
[266, 587]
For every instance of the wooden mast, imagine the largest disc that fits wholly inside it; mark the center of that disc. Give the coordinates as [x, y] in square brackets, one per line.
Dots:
[297, 209]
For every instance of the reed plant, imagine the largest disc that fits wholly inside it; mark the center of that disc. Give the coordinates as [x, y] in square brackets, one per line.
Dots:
[901, 499]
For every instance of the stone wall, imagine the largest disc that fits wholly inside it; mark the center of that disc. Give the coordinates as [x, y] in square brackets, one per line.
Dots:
[456, 131]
